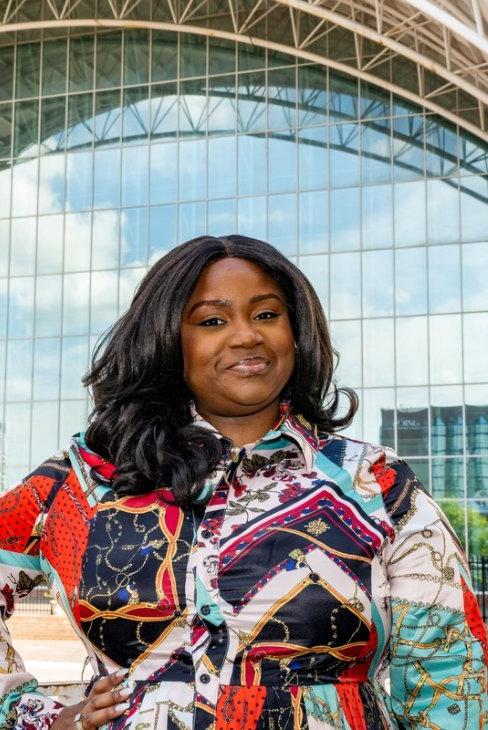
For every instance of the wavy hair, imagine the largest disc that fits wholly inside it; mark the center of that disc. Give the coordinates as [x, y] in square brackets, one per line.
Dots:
[142, 420]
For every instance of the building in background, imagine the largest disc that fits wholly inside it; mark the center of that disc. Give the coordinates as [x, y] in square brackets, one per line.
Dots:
[356, 142]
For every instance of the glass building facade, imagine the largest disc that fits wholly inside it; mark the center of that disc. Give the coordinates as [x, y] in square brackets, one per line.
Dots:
[116, 145]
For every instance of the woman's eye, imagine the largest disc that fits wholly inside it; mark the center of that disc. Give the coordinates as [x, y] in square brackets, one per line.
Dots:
[211, 322]
[267, 315]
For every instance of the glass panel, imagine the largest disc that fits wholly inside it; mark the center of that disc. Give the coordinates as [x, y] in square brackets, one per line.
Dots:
[48, 305]
[128, 281]
[23, 246]
[282, 164]
[411, 362]
[447, 478]
[26, 128]
[410, 214]
[81, 63]
[193, 169]
[74, 362]
[474, 208]
[377, 218]
[374, 102]
[446, 429]
[445, 349]
[410, 281]
[313, 219]
[193, 55]
[133, 239]
[46, 368]
[442, 211]
[109, 60]
[104, 300]
[77, 242]
[420, 467]
[444, 279]
[344, 96]
[17, 425]
[251, 168]
[164, 111]
[476, 400]
[6, 72]
[377, 283]
[408, 148]
[221, 56]
[76, 303]
[137, 113]
[24, 188]
[221, 167]
[441, 149]
[378, 353]
[345, 209]
[316, 269]
[50, 244]
[28, 69]
[193, 108]
[163, 163]
[44, 434]
[4, 246]
[164, 55]
[344, 155]
[312, 95]
[79, 172]
[105, 239]
[478, 479]
[54, 67]
[250, 57]
[19, 370]
[345, 286]
[477, 528]
[475, 276]
[475, 348]
[221, 217]
[379, 416]
[251, 97]
[412, 421]
[136, 57]
[5, 184]
[313, 158]
[162, 230]
[4, 302]
[222, 105]
[191, 221]
[21, 307]
[106, 183]
[282, 223]
[81, 124]
[135, 175]
[5, 129]
[53, 122]
[251, 217]
[376, 152]
[474, 155]
[51, 183]
[282, 98]
[72, 419]
[108, 117]
[346, 339]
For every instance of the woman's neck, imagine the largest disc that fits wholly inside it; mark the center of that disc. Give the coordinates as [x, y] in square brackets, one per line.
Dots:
[246, 428]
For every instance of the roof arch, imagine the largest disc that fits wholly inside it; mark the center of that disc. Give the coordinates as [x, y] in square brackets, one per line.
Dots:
[434, 54]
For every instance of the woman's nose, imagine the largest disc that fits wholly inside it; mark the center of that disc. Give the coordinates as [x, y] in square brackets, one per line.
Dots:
[245, 334]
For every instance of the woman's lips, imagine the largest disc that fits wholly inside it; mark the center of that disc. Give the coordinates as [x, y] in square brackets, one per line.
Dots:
[250, 366]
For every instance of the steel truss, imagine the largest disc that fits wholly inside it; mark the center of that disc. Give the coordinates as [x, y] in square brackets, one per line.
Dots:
[432, 53]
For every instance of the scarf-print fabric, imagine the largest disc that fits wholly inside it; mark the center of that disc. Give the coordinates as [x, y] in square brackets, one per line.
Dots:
[310, 569]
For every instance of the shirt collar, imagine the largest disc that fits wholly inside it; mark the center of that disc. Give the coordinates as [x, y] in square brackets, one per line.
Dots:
[289, 425]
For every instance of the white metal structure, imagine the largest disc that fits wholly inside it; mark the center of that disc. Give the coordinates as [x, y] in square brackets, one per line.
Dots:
[432, 52]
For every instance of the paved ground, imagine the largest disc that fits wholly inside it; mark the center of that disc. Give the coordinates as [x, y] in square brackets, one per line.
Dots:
[53, 661]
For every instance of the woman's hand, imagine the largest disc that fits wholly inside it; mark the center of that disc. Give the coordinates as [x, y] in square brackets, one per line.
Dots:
[104, 703]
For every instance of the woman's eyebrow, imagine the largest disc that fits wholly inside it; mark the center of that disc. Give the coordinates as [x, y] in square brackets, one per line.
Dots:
[227, 303]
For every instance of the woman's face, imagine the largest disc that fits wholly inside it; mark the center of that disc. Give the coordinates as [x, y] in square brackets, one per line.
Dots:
[237, 340]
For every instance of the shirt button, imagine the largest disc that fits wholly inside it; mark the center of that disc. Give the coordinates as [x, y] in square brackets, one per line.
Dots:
[205, 678]
[314, 577]
[205, 610]
[206, 534]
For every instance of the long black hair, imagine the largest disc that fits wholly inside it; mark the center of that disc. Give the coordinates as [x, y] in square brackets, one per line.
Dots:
[142, 420]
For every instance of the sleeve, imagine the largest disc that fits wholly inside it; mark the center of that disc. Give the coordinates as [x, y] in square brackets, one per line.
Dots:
[22, 705]
[438, 651]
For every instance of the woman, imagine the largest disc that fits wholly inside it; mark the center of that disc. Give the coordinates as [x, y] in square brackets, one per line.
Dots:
[212, 534]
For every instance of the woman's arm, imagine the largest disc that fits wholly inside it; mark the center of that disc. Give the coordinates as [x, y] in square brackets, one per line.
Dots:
[438, 645]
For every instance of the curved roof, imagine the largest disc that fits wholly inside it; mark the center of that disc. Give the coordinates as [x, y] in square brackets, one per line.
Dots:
[432, 53]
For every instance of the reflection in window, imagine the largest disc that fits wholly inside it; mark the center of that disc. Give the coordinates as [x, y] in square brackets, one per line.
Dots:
[474, 208]
[137, 114]
[375, 102]
[76, 290]
[74, 361]
[221, 56]
[193, 55]
[19, 370]
[376, 152]
[345, 286]
[81, 63]
[80, 128]
[164, 111]
[106, 178]
[6, 72]
[445, 349]
[345, 209]
[420, 468]
[442, 211]
[192, 169]
[411, 350]
[77, 242]
[5, 184]
[444, 279]
[282, 223]
[135, 175]
[222, 105]
[375, 401]
[109, 60]
[377, 216]
[344, 155]
[252, 217]
[475, 276]
[410, 214]
[282, 163]
[23, 246]
[221, 217]
[163, 163]
[26, 128]
[377, 283]
[408, 148]
[5, 129]
[17, 425]
[28, 70]
[48, 306]
[475, 348]
[346, 339]
[24, 188]
[251, 168]
[313, 233]
[162, 230]
[193, 108]
[54, 67]
[53, 111]
[343, 97]
[316, 269]
[474, 155]
[251, 95]
[104, 300]
[136, 57]
[4, 247]
[410, 281]
[79, 173]
[191, 220]
[46, 368]
[51, 183]
[221, 167]
[313, 158]
[282, 98]
[478, 479]
[44, 433]
[378, 356]
[312, 95]
[441, 149]
[72, 413]
[108, 117]
[477, 517]
[133, 237]
[412, 427]
[105, 239]
[447, 478]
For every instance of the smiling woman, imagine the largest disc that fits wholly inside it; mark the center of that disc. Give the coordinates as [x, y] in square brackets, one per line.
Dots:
[228, 559]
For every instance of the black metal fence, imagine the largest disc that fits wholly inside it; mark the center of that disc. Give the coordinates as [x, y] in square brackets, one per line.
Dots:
[479, 574]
